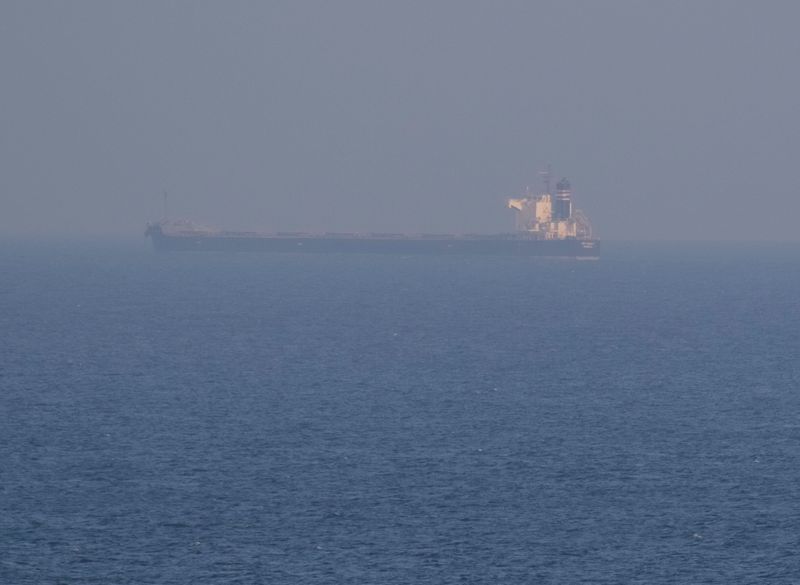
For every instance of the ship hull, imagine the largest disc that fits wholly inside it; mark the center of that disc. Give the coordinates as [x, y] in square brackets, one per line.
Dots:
[496, 245]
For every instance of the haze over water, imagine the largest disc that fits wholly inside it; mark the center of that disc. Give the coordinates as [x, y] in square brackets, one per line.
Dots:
[349, 419]
[215, 418]
[673, 120]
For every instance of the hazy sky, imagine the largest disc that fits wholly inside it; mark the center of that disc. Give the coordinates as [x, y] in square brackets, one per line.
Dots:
[673, 120]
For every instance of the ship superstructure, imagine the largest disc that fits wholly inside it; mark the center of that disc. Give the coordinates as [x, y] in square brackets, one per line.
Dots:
[549, 217]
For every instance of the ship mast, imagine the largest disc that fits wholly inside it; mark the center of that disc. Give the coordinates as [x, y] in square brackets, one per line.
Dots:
[547, 175]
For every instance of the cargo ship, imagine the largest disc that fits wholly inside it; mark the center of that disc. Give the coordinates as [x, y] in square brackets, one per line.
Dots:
[546, 225]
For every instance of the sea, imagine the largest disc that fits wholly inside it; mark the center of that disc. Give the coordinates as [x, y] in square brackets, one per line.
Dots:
[212, 418]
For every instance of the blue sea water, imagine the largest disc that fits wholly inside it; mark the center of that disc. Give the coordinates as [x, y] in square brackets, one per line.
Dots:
[213, 418]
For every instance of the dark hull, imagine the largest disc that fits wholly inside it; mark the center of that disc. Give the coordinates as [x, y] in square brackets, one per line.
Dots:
[498, 245]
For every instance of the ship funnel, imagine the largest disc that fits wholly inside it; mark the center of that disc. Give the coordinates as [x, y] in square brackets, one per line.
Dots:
[563, 204]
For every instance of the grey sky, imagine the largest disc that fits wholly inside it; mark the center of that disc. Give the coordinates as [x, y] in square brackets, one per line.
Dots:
[673, 120]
